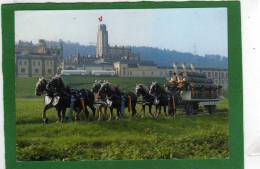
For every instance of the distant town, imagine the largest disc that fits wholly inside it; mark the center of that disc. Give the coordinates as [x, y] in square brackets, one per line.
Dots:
[46, 58]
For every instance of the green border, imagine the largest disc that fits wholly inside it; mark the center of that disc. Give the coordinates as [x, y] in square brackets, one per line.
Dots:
[235, 89]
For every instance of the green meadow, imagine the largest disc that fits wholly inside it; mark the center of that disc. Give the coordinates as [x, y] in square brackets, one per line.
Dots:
[200, 136]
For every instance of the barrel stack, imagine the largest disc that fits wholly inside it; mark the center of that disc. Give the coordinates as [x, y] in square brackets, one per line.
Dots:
[201, 87]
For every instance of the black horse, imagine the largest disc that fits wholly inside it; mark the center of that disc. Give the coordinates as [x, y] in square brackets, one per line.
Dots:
[57, 85]
[56, 98]
[118, 99]
[51, 100]
[146, 98]
[160, 97]
[89, 100]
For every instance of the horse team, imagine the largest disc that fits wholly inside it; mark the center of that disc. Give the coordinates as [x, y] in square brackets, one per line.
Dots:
[102, 97]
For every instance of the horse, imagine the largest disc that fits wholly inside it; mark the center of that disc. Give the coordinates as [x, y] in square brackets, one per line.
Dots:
[87, 96]
[60, 101]
[100, 100]
[160, 97]
[146, 98]
[89, 99]
[118, 99]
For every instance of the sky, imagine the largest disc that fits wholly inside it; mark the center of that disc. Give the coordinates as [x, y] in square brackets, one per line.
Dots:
[195, 30]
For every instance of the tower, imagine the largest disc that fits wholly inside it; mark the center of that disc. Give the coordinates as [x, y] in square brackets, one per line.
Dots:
[102, 41]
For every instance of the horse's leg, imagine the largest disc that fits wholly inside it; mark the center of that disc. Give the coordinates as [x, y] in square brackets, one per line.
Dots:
[110, 114]
[118, 113]
[159, 112]
[99, 109]
[86, 113]
[156, 111]
[143, 108]
[164, 109]
[93, 110]
[63, 111]
[77, 115]
[104, 107]
[134, 109]
[150, 110]
[44, 117]
[58, 114]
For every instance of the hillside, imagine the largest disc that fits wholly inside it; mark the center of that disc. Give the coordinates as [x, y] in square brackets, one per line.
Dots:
[162, 57]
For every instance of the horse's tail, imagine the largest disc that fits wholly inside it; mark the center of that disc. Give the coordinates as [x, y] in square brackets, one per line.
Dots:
[173, 103]
[129, 103]
[82, 103]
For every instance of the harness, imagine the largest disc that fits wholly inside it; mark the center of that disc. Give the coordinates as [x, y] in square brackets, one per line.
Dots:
[146, 98]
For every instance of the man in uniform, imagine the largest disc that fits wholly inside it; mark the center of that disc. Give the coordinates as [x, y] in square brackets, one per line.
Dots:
[174, 79]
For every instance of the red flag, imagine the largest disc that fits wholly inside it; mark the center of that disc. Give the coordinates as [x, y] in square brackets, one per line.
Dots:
[100, 18]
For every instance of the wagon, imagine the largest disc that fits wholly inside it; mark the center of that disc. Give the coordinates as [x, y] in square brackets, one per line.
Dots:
[191, 104]
[196, 91]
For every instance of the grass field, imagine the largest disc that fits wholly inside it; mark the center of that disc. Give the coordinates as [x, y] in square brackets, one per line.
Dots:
[196, 137]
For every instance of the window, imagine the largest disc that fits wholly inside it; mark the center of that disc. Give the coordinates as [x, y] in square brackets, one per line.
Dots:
[23, 70]
[209, 74]
[216, 74]
[39, 63]
[49, 71]
[36, 70]
[152, 73]
[123, 70]
[25, 62]
[222, 75]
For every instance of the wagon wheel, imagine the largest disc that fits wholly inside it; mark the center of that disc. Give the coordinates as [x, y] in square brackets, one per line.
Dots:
[189, 108]
[195, 106]
[211, 108]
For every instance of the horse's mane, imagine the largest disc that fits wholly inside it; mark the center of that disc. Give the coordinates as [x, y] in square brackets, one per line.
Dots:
[161, 88]
[58, 82]
[146, 89]
[112, 87]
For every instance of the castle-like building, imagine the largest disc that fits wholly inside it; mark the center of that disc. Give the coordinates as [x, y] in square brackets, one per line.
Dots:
[114, 53]
[41, 59]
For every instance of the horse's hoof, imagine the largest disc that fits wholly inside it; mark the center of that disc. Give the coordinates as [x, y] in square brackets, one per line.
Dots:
[45, 121]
